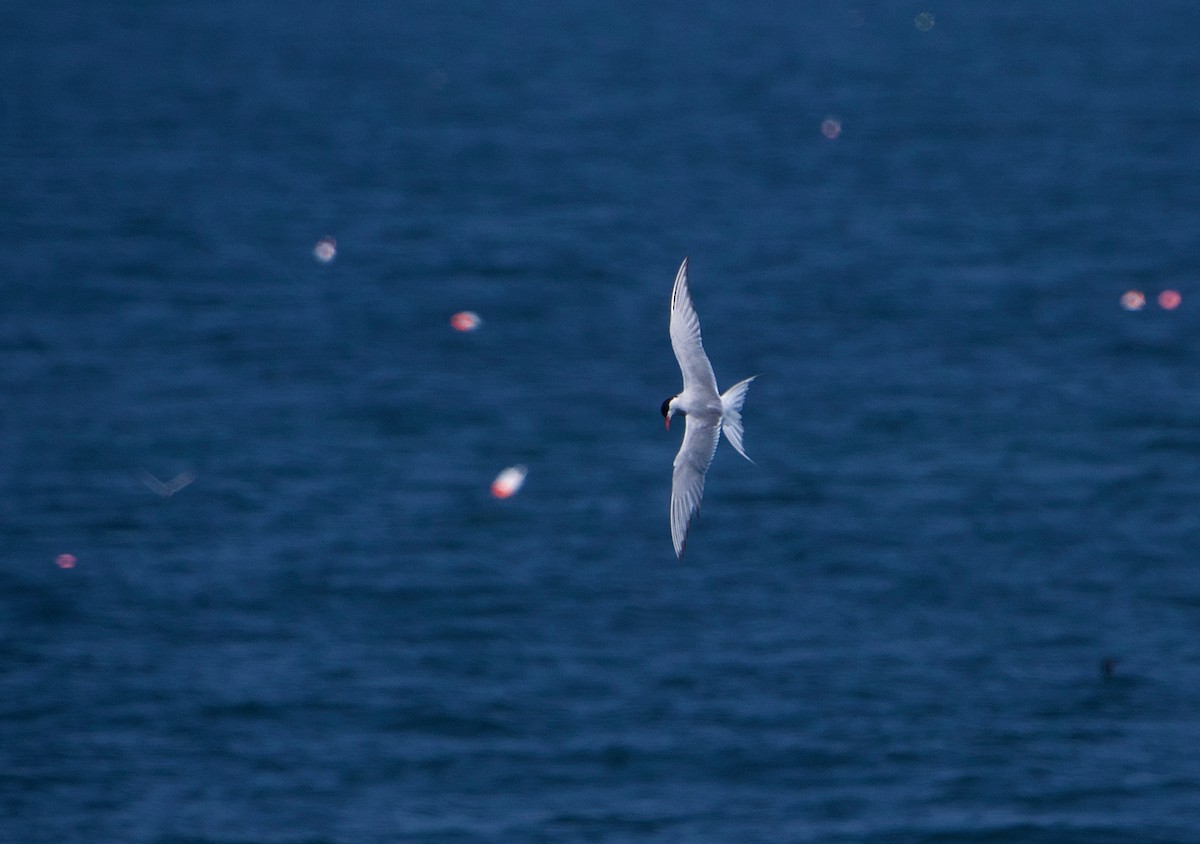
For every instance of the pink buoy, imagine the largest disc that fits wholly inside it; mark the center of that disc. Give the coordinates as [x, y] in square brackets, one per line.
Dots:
[465, 321]
[509, 481]
[1169, 300]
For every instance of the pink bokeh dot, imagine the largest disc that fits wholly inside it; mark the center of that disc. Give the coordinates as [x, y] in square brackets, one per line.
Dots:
[1169, 300]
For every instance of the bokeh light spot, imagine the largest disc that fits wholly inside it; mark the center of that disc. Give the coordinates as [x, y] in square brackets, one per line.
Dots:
[325, 250]
[1169, 300]
[1133, 300]
[924, 21]
[65, 561]
[831, 127]
[465, 321]
[509, 481]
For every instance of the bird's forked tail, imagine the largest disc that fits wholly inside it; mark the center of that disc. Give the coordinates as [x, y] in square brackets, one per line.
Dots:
[731, 413]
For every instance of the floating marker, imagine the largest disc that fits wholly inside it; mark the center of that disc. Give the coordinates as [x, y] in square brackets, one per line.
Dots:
[65, 561]
[325, 250]
[465, 321]
[1169, 300]
[1133, 300]
[509, 481]
[924, 21]
[831, 127]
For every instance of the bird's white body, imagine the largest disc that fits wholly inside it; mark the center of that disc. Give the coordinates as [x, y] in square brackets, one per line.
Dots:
[707, 412]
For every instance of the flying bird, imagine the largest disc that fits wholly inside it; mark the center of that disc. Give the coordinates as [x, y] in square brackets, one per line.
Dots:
[706, 412]
[166, 490]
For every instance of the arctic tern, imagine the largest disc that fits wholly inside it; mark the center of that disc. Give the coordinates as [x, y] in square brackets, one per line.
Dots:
[706, 412]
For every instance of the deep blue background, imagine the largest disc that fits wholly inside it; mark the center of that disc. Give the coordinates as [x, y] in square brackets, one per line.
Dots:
[977, 475]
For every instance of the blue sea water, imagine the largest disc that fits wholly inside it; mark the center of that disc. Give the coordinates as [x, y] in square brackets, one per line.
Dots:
[977, 476]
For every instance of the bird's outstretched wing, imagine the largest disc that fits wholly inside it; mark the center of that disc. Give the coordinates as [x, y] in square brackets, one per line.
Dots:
[166, 490]
[153, 483]
[179, 482]
[687, 481]
[685, 339]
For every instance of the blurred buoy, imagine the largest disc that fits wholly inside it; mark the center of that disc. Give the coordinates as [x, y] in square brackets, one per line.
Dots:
[465, 321]
[65, 561]
[1169, 300]
[325, 250]
[831, 127]
[509, 481]
[1133, 300]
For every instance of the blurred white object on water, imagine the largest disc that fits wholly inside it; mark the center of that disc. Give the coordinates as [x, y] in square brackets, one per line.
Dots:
[509, 481]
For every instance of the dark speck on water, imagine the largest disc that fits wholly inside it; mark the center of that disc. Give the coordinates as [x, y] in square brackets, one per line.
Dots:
[977, 472]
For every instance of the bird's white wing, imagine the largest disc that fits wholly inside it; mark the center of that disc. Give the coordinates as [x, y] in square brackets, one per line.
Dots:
[179, 482]
[685, 339]
[687, 481]
[153, 483]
